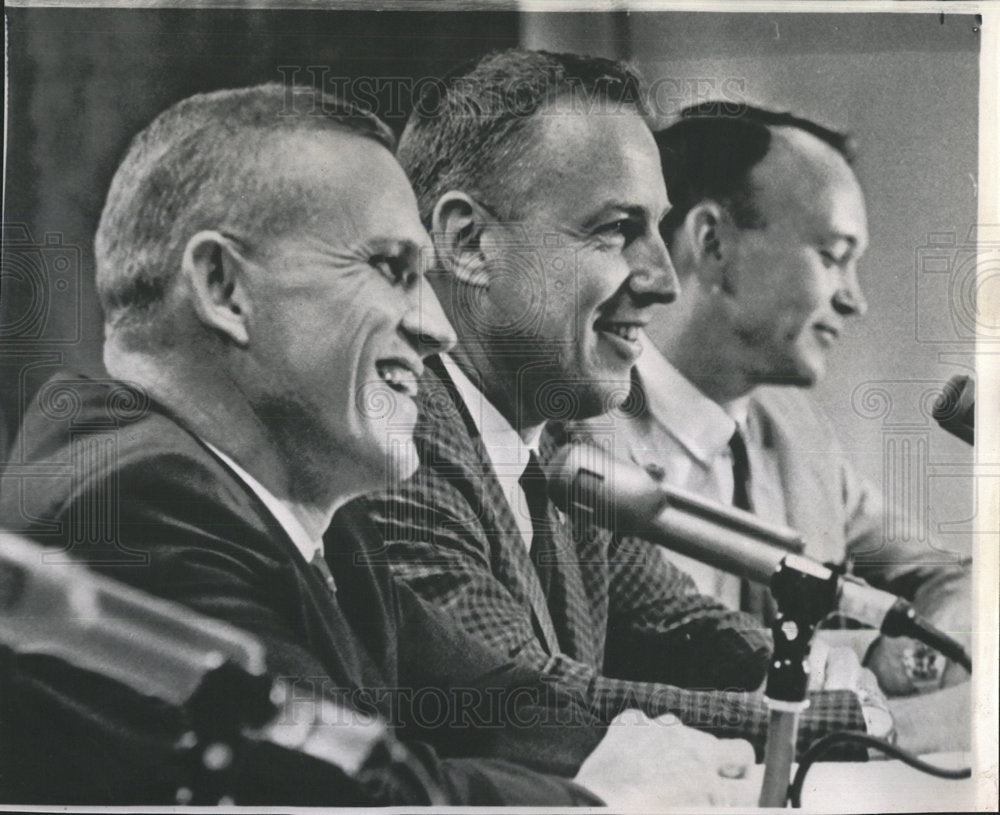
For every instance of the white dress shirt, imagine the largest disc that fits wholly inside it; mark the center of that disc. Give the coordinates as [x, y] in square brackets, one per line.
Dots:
[687, 434]
[284, 512]
[507, 451]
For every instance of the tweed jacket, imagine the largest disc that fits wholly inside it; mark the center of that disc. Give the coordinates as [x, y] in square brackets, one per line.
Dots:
[115, 481]
[608, 620]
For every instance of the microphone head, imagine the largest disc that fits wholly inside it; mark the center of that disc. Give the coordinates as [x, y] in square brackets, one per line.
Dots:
[585, 478]
[955, 409]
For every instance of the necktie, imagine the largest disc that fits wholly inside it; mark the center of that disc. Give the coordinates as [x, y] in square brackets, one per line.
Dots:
[533, 484]
[754, 599]
[741, 472]
[543, 552]
[319, 563]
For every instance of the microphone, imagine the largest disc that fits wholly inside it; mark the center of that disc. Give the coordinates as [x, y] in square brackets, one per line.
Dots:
[629, 501]
[166, 651]
[955, 408]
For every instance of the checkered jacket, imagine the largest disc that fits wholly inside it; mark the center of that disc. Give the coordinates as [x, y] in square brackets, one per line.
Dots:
[607, 619]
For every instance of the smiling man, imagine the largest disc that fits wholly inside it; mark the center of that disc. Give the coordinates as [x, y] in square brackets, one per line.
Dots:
[539, 180]
[260, 263]
[768, 228]
[562, 281]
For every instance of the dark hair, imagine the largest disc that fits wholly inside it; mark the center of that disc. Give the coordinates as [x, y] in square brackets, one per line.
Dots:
[198, 166]
[709, 153]
[467, 131]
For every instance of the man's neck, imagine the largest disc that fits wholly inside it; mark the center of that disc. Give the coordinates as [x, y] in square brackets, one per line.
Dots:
[698, 359]
[216, 410]
[729, 391]
[481, 375]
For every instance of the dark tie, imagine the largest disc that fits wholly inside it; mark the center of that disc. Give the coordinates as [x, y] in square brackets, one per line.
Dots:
[543, 552]
[533, 484]
[741, 472]
[754, 599]
[319, 563]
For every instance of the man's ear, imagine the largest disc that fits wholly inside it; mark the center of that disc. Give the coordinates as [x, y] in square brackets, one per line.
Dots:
[218, 285]
[456, 227]
[706, 235]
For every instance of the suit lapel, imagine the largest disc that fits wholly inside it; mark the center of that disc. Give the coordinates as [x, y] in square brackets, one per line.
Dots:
[563, 569]
[510, 560]
[324, 622]
[560, 576]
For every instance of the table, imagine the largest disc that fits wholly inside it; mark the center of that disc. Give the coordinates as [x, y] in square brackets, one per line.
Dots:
[882, 786]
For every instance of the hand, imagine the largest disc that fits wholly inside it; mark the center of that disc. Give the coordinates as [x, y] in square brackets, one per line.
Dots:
[888, 661]
[946, 604]
[645, 763]
[838, 668]
[936, 722]
[835, 667]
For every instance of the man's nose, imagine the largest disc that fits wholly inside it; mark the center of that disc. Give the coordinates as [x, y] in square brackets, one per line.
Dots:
[425, 323]
[849, 299]
[653, 277]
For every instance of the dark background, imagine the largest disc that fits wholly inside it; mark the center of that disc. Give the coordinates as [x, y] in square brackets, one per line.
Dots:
[83, 82]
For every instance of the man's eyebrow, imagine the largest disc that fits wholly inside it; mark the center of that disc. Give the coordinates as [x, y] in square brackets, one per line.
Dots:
[856, 246]
[400, 246]
[615, 207]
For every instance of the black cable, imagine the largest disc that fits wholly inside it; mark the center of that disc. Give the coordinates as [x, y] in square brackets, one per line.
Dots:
[823, 745]
[943, 643]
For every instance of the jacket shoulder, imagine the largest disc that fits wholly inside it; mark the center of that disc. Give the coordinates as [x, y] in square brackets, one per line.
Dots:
[791, 412]
[100, 461]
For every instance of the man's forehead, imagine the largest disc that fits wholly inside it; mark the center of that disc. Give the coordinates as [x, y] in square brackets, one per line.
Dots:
[603, 152]
[341, 186]
[562, 132]
[800, 161]
[329, 158]
[803, 176]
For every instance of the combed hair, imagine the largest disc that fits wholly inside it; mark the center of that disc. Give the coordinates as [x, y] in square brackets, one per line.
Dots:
[710, 151]
[200, 165]
[467, 131]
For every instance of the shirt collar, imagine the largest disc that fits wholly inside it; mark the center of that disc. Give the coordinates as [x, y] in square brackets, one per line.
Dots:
[284, 512]
[699, 424]
[506, 449]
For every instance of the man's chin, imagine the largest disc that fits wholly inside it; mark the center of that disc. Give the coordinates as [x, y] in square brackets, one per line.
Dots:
[611, 392]
[578, 399]
[401, 461]
[379, 461]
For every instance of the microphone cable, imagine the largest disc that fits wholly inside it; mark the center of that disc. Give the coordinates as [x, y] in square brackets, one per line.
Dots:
[823, 745]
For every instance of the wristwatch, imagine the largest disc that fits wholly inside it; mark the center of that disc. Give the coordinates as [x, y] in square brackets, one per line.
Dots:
[924, 667]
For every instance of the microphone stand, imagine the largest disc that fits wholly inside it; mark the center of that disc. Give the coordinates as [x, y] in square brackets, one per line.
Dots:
[227, 702]
[804, 595]
[589, 483]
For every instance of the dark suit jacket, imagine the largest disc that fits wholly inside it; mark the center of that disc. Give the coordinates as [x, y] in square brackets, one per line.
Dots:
[607, 620]
[117, 483]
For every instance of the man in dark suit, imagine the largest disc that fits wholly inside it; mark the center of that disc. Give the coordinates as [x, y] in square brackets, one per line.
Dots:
[260, 264]
[545, 202]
